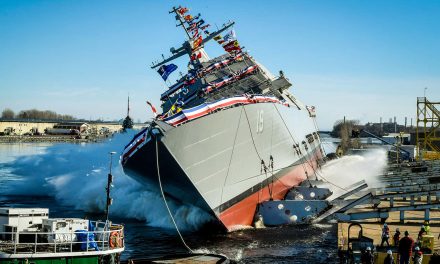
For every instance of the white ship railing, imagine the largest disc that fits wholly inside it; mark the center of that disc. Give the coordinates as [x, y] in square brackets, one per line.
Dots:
[105, 240]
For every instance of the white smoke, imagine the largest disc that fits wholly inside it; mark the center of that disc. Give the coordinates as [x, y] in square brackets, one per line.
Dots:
[343, 172]
[76, 175]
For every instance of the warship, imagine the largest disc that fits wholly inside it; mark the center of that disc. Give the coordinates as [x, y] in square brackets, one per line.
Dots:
[230, 134]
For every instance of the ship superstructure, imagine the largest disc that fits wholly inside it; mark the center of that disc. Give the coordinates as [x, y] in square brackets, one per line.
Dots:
[230, 134]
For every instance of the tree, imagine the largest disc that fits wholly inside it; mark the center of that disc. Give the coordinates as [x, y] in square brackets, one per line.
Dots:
[8, 114]
[127, 124]
[344, 129]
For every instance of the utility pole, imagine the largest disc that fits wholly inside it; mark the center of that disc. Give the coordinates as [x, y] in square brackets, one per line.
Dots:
[109, 185]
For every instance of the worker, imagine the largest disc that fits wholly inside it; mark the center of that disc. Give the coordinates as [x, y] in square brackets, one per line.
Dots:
[427, 227]
[396, 237]
[389, 259]
[176, 107]
[418, 256]
[342, 256]
[422, 232]
[405, 248]
[367, 257]
[385, 235]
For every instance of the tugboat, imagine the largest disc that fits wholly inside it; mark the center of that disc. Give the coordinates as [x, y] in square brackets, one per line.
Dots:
[28, 235]
[230, 135]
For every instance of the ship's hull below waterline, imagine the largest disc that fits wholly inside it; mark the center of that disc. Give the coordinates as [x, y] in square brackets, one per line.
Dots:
[229, 161]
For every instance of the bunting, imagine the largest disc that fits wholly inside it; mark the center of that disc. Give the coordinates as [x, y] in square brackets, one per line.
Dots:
[229, 79]
[232, 46]
[218, 65]
[205, 109]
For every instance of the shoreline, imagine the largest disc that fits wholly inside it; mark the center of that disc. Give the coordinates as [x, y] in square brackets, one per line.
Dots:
[60, 139]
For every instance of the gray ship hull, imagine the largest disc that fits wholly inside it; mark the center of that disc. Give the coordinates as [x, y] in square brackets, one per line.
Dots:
[229, 161]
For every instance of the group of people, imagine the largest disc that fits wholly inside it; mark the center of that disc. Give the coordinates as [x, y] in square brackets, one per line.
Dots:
[405, 252]
[405, 245]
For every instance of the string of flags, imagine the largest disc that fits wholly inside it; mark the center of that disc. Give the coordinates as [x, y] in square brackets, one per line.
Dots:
[229, 42]
[195, 26]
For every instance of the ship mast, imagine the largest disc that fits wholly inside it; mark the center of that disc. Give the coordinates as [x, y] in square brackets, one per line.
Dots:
[179, 18]
[186, 48]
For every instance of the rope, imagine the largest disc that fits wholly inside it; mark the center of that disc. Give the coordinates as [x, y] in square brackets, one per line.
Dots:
[165, 201]
[230, 159]
[295, 142]
[263, 165]
[304, 158]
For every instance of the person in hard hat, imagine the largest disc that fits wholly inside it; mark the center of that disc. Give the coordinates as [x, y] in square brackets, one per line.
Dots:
[418, 256]
[385, 235]
[396, 237]
[427, 227]
[405, 248]
[367, 257]
[389, 259]
[422, 232]
[176, 107]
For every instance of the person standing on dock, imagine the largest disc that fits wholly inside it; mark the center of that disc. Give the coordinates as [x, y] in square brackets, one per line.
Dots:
[396, 237]
[418, 256]
[405, 248]
[389, 259]
[422, 232]
[367, 257]
[385, 235]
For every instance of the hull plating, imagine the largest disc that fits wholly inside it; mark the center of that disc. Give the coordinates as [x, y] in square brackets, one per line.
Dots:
[226, 162]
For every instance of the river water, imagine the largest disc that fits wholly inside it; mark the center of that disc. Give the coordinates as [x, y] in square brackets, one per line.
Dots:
[69, 179]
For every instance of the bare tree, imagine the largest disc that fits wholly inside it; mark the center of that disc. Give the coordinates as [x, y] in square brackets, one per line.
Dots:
[8, 114]
[45, 115]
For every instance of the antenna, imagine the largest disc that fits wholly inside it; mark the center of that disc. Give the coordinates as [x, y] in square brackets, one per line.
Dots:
[128, 105]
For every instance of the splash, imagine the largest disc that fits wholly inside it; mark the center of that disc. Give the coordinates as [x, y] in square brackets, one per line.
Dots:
[343, 172]
[76, 175]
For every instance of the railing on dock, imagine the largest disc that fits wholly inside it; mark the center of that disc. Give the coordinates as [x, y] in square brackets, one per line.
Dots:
[102, 239]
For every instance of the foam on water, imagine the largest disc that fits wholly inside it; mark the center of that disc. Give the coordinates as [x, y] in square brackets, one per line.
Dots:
[76, 175]
[350, 169]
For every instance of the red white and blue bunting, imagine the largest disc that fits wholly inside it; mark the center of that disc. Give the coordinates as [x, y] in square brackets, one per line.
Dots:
[205, 109]
[230, 79]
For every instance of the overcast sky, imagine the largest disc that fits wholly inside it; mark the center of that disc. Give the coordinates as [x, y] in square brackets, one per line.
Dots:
[361, 59]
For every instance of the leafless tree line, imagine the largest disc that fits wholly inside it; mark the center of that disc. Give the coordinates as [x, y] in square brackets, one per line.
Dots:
[34, 114]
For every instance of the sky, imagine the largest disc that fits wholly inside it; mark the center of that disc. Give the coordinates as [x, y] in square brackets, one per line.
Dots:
[359, 59]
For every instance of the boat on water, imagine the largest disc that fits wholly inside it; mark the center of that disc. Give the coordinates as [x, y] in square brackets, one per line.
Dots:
[28, 235]
[230, 135]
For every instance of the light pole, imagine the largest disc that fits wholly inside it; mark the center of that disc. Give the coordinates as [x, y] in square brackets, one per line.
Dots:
[109, 185]
[424, 92]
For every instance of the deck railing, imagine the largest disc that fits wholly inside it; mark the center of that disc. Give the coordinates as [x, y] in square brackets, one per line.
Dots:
[102, 239]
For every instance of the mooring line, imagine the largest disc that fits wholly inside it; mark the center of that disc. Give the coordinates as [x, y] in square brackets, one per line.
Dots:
[165, 201]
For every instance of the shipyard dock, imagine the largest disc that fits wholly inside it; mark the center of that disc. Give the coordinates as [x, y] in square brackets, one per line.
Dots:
[409, 198]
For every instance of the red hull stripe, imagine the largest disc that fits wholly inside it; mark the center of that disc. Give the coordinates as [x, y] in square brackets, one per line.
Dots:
[242, 213]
